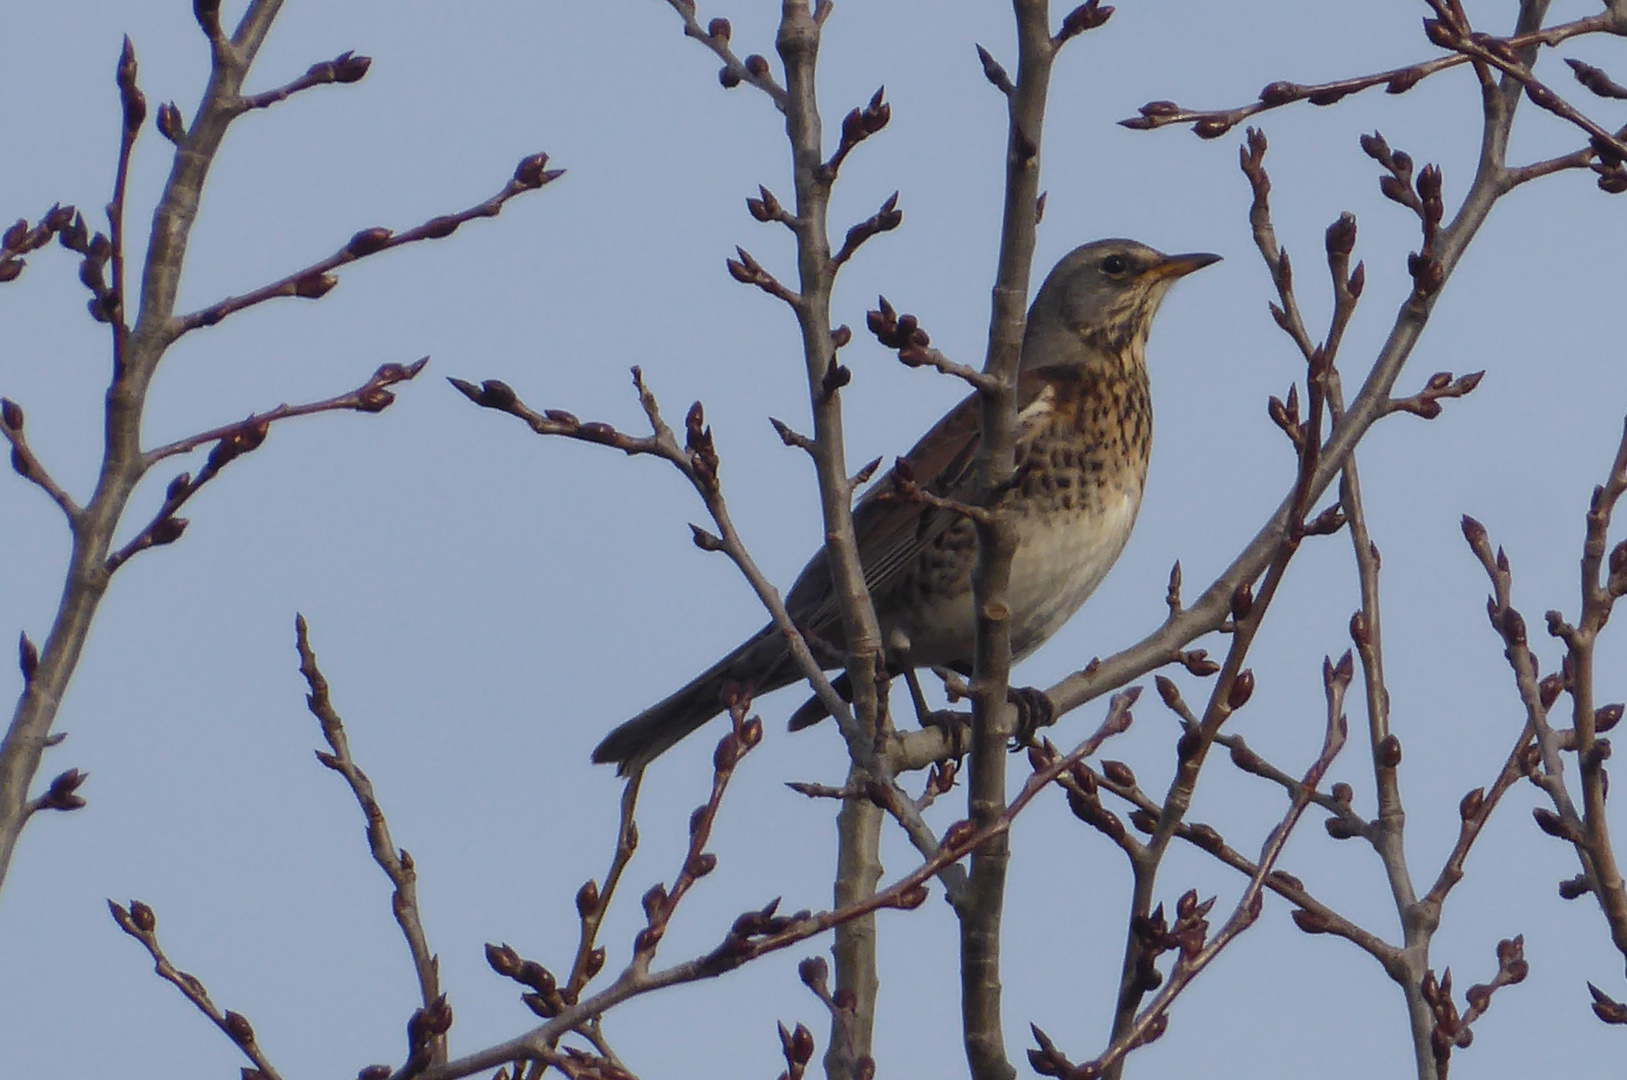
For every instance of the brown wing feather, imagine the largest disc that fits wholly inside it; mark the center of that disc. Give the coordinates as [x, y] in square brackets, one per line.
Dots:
[891, 534]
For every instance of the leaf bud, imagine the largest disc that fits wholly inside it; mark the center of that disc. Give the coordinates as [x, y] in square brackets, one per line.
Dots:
[587, 898]
[314, 286]
[1119, 773]
[1242, 689]
[367, 242]
[238, 1027]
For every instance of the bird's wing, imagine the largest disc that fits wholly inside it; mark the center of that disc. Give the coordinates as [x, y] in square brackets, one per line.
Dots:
[890, 532]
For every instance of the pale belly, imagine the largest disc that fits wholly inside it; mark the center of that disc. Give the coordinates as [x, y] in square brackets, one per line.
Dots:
[1059, 562]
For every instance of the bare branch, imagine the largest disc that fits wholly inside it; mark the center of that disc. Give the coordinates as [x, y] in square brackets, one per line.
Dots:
[904, 334]
[1212, 123]
[1195, 953]
[757, 933]
[315, 281]
[395, 862]
[27, 465]
[232, 441]
[140, 923]
[347, 67]
[753, 69]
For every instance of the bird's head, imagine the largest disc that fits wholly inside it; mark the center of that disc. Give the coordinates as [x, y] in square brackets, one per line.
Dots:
[1098, 303]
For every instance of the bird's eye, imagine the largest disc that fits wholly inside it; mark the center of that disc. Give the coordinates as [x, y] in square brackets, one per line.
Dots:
[1115, 265]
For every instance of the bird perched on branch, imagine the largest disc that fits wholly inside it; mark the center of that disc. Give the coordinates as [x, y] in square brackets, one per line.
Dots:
[1084, 433]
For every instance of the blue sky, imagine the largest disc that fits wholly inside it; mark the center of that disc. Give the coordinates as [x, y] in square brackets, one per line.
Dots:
[488, 603]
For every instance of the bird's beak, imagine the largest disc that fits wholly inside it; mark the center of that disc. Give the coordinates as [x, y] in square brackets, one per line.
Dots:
[1177, 266]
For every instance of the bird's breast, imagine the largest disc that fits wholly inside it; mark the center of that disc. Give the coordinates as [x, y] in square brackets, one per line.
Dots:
[1061, 557]
[1082, 464]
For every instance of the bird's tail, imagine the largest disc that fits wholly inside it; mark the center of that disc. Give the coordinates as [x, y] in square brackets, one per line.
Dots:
[762, 663]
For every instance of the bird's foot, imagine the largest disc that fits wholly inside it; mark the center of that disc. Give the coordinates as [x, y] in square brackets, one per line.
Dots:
[1034, 711]
[956, 727]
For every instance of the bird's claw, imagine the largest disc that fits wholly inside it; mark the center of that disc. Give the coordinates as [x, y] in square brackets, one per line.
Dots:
[956, 727]
[1034, 711]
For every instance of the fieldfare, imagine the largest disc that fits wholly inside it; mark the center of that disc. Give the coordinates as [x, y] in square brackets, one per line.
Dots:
[1084, 433]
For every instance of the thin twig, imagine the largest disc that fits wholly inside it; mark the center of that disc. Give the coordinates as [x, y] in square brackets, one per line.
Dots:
[593, 902]
[27, 465]
[756, 934]
[315, 281]
[347, 67]
[395, 862]
[234, 440]
[1336, 678]
[1212, 123]
[753, 69]
[140, 923]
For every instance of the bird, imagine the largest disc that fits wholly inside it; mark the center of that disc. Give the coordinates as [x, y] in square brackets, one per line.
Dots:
[1084, 436]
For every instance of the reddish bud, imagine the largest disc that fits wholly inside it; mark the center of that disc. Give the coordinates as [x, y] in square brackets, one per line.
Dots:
[438, 228]
[1394, 190]
[1278, 93]
[1242, 602]
[1574, 888]
[167, 531]
[207, 12]
[1119, 773]
[367, 242]
[238, 1027]
[1550, 822]
[1606, 717]
[1311, 922]
[814, 972]
[958, 834]
[1402, 81]
[349, 68]
[1242, 689]
[1206, 837]
[727, 752]
[587, 898]
[757, 66]
[28, 656]
[142, 917]
[1341, 235]
[912, 898]
[1471, 804]
[63, 794]
[314, 286]
[1389, 752]
[503, 959]
[532, 171]
[654, 901]
[170, 124]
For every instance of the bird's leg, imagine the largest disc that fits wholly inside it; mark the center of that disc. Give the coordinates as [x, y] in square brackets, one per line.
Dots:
[922, 712]
[956, 726]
